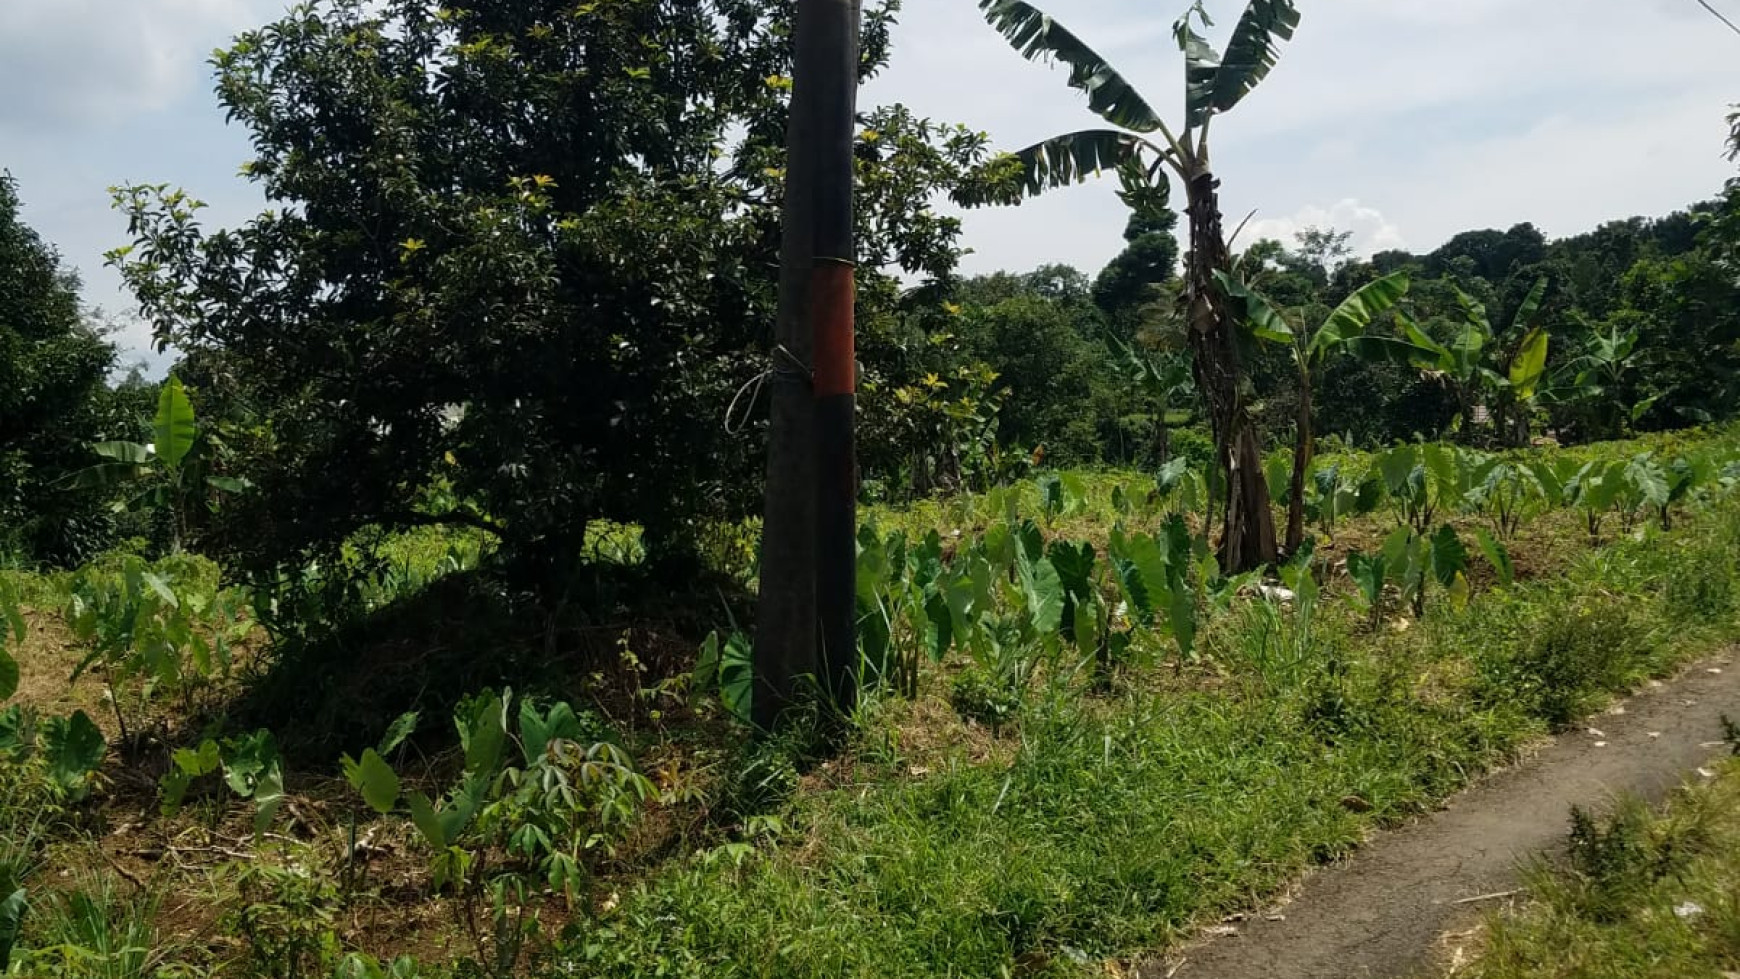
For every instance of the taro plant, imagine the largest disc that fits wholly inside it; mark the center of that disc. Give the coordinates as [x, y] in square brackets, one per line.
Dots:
[1594, 489]
[1162, 580]
[1370, 573]
[1504, 490]
[249, 765]
[1336, 494]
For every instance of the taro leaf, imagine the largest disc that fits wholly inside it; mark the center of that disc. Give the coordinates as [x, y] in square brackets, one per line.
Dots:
[1278, 473]
[375, 779]
[1496, 555]
[397, 732]
[1441, 464]
[1396, 548]
[1050, 495]
[12, 909]
[538, 729]
[456, 815]
[925, 560]
[1031, 541]
[1074, 493]
[941, 631]
[1075, 566]
[1371, 495]
[423, 816]
[1044, 592]
[1086, 626]
[1151, 569]
[268, 796]
[1397, 465]
[486, 733]
[1648, 479]
[1181, 617]
[1179, 548]
[1172, 473]
[8, 672]
[1449, 557]
[1368, 574]
[74, 748]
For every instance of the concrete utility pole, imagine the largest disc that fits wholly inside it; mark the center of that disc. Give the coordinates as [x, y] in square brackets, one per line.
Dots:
[806, 625]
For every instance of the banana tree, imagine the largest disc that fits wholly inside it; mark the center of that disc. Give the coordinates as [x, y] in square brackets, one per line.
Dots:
[166, 472]
[1597, 376]
[1140, 150]
[1163, 380]
[1344, 331]
[1483, 369]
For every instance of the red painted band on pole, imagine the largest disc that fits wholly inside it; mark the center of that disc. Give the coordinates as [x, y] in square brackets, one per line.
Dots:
[832, 293]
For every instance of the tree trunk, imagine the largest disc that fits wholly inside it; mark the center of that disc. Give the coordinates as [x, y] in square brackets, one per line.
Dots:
[1248, 526]
[1301, 461]
[805, 622]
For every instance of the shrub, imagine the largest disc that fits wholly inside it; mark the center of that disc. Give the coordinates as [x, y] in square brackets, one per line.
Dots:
[1573, 657]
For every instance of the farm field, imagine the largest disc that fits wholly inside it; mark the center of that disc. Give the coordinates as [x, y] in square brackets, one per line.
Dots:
[651, 488]
[1058, 772]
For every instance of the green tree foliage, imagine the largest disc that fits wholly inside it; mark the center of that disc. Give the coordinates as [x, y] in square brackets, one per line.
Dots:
[53, 399]
[519, 248]
[1055, 370]
[1132, 281]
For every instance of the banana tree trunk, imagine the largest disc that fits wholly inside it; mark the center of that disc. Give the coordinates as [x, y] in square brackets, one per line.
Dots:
[1301, 462]
[1247, 539]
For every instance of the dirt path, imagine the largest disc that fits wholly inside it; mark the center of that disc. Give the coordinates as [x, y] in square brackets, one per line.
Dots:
[1380, 912]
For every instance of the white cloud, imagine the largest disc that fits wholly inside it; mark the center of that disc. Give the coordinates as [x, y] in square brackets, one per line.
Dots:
[91, 61]
[1436, 116]
[1372, 232]
[1405, 121]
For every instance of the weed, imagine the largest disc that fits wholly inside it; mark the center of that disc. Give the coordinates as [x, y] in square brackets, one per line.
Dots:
[93, 932]
[1572, 658]
[1700, 585]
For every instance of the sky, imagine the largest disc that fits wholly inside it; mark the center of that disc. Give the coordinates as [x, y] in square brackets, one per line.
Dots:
[1402, 121]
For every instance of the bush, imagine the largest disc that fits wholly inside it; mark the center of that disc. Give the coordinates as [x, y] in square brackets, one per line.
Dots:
[1700, 585]
[1572, 658]
[987, 697]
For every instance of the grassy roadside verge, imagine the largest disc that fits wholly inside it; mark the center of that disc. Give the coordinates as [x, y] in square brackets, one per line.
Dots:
[1115, 822]
[1641, 894]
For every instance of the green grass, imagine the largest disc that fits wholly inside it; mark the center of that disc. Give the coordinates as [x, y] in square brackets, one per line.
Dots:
[1642, 894]
[1123, 819]
[1113, 816]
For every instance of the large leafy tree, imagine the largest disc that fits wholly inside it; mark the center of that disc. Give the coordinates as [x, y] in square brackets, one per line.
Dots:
[526, 250]
[53, 398]
[1141, 149]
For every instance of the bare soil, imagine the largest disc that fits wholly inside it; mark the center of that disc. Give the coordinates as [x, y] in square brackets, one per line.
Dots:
[1381, 912]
